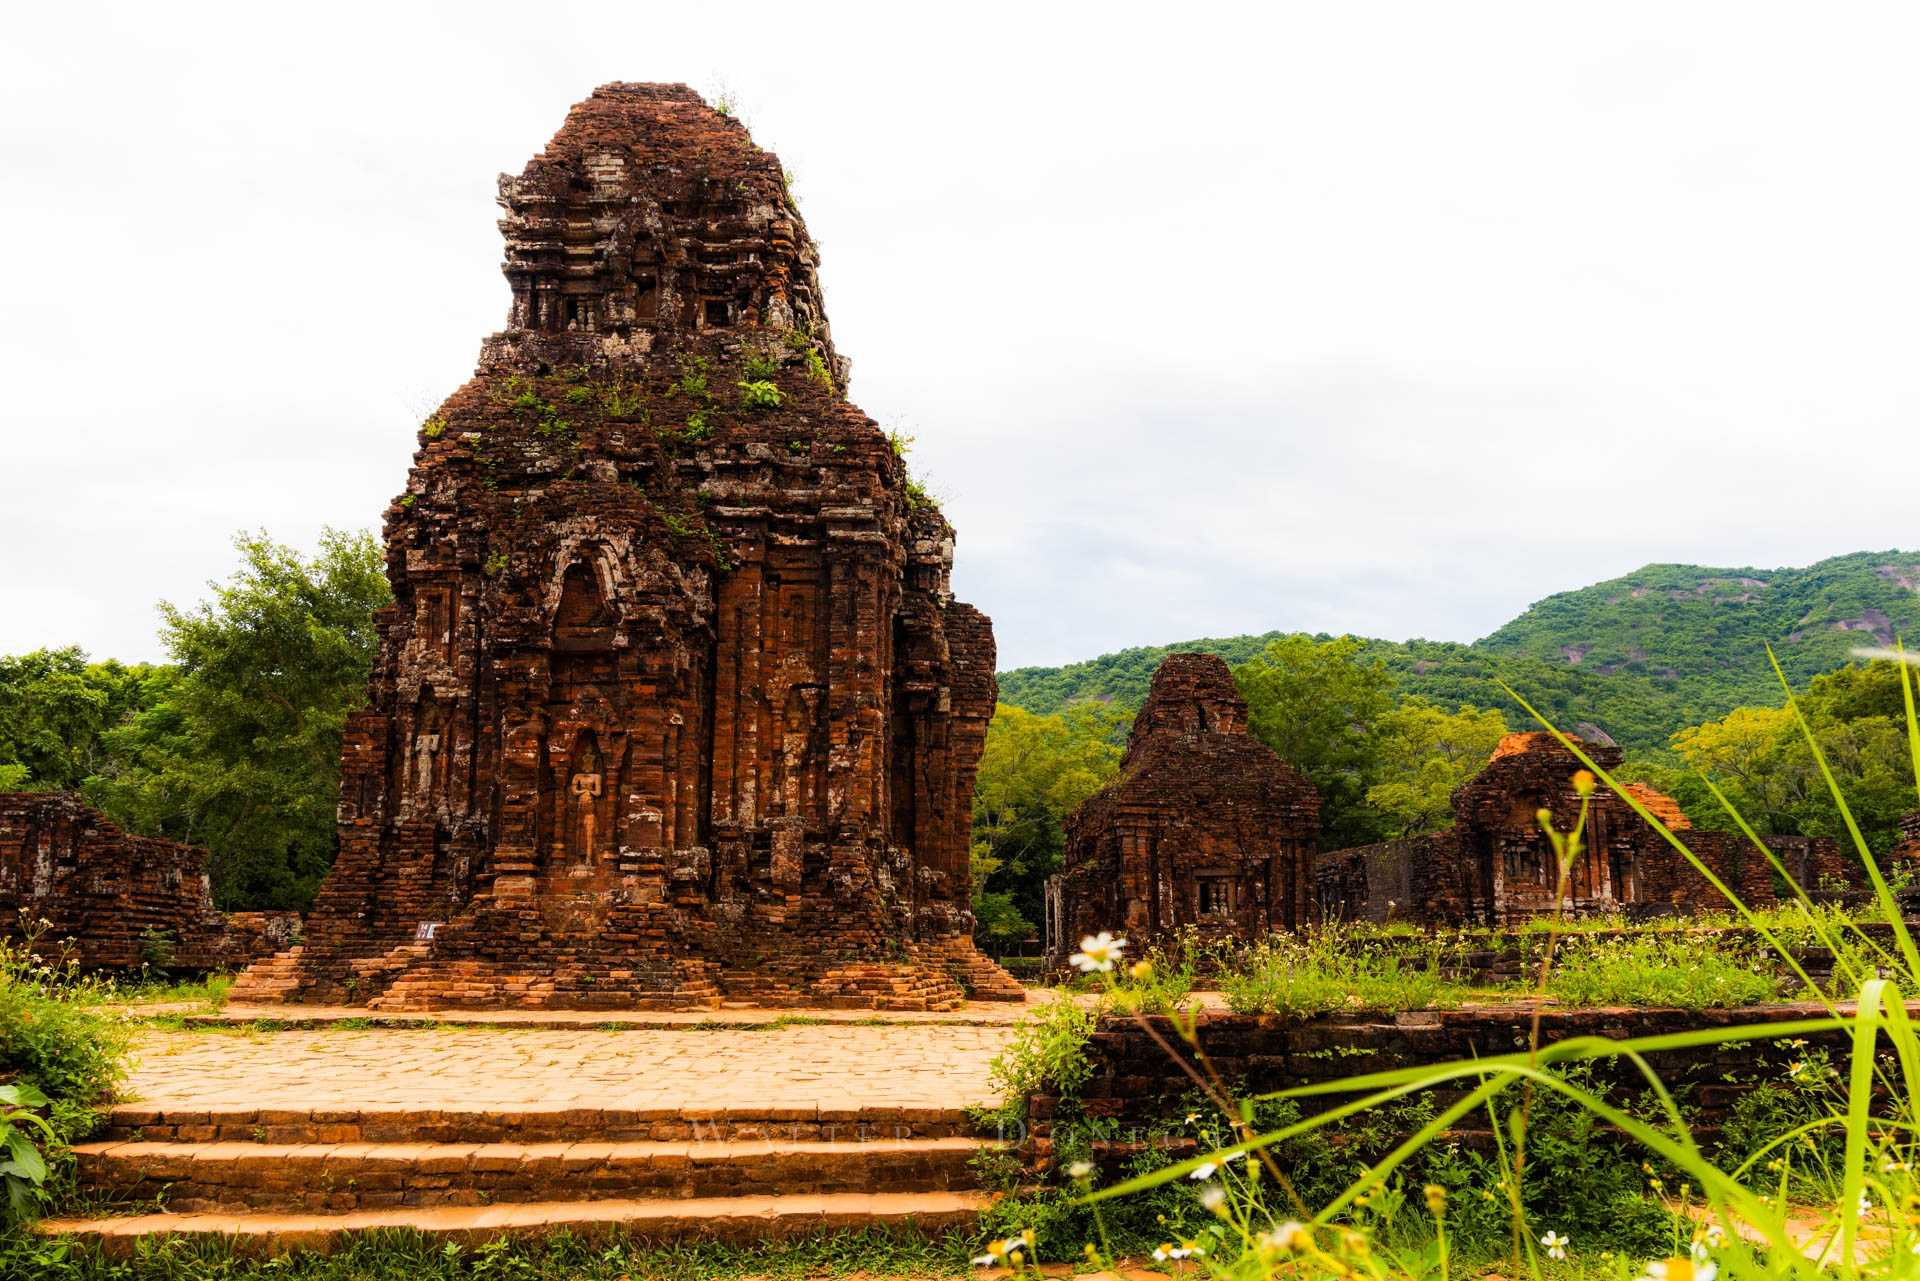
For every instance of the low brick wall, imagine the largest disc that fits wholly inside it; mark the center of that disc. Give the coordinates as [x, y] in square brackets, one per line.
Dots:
[1487, 959]
[1134, 1081]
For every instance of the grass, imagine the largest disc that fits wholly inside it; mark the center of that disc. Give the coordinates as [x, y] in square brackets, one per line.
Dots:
[410, 1256]
[1307, 974]
[209, 990]
[1660, 970]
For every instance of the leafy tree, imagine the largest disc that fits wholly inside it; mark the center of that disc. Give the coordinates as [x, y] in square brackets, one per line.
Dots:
[1760, 759]
[239, 749]
[1035, 771]
[1426, 752]
[1317, 704]
[54, 708]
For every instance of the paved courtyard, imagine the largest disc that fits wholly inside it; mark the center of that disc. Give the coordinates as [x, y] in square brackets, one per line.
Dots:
[837, 1066]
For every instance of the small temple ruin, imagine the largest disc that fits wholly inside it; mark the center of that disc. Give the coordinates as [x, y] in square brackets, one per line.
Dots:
[674, 705]
[1495, 866]
[83, 889]
[1205, 827]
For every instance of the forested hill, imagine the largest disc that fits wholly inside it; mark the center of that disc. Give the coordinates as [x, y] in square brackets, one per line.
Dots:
[1640, 656]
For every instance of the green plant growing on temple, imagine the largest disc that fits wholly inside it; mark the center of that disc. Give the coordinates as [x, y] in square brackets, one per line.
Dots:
[759, 396]
[495, 565]
[800, 340]
[156, 948]
[919, 497]
[622, 399]
[434, 428]
[693, 382]
[759, 368]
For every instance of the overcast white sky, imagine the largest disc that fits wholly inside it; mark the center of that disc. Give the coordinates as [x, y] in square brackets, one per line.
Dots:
[1361, 317]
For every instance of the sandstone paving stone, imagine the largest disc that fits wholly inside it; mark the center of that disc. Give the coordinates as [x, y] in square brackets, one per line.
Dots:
[843, 1072]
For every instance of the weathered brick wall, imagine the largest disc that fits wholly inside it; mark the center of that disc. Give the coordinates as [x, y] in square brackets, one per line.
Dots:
[1205, 828]
[673, 704]
[1408, 879]
[108, 898]
[1136, 1083]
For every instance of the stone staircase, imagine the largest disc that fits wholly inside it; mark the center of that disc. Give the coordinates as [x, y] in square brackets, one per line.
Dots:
[270, 1180]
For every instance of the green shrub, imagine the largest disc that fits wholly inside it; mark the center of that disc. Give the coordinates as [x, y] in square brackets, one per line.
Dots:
[60, 1053]
[1049, 1048]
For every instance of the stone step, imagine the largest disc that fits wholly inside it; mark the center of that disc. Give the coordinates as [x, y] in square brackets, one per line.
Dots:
[334, 1178]
[550, 1125]
[741, 1218]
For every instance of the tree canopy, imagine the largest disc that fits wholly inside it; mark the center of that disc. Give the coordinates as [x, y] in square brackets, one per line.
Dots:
[237, 747]
[1035, 771]
[55, 706]
[1317, 704]
[1762, 763]
[1424, 753]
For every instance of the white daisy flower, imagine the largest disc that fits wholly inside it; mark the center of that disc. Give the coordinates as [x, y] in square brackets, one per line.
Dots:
[1097, 953]
[1287, 1238]
[1555, 1243]
[1080, 1170]
[1005, 1253]
[1681, 1268]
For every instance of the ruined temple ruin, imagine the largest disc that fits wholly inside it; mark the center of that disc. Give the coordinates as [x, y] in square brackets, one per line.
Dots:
[1495, 865]
[85, 890]
[1205, 827]
[674, 705]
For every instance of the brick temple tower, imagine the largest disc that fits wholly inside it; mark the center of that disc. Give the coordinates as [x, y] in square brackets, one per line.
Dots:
[674, 705]
[1205, 827]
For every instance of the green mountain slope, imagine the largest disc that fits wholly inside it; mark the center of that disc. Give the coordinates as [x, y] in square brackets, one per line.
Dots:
[1638, 656]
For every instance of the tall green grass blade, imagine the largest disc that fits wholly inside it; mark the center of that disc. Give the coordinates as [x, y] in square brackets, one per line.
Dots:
[1866, 1032]
[1913, 720]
